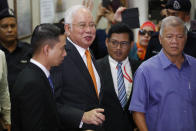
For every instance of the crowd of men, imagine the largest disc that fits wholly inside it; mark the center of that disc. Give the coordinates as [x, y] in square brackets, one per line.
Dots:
[56, 84]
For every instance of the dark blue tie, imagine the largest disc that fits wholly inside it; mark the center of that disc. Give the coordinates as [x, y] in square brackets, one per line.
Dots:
[122, 96]
[51, 84]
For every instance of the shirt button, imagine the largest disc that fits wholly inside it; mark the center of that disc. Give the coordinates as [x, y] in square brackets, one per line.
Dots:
[184, 111]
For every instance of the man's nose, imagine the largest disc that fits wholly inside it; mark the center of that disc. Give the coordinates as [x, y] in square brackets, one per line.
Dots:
[174, 39]
[88, 28]
[118, 46]
[9, 28]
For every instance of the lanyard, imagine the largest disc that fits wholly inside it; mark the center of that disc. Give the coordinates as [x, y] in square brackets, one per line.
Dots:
[126, 76]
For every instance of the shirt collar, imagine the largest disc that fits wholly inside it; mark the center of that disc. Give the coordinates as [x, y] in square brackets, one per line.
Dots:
[43, 68]
[80, 49]
[186, 60]
[124, 62]
[166, 62]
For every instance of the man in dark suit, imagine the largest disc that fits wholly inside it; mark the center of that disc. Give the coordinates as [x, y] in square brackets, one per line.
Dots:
[117, 72]
[32, 103]
[77, 80]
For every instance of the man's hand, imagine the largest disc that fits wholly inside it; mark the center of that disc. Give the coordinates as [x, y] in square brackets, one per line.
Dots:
[88, 3]
[8, 127]
[101, 10]
[94, 117]
[140, 121]
[100, 13]
[118, 14]
[109, 15]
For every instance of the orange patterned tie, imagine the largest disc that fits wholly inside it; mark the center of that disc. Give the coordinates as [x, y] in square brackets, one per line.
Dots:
[90, 69]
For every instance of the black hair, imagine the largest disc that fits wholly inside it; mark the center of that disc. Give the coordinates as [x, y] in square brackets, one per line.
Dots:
[44, 34]
[61, 21]
[61, 27]
[120, 28]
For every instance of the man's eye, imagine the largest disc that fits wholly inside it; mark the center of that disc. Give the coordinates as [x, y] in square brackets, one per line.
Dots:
[82, 25]
[92, 25]
[13, 25]
[124, 43]
[114, 42]
[4, 26]
[180, 36]
[169, 36]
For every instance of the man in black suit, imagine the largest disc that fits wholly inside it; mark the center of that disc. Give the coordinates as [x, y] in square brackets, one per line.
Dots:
[117, 72]
[77, 80]
[32, 103]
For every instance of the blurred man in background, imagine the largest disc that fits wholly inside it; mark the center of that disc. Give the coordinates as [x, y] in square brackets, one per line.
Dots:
[4, 95]
[181, 9]
[17, 53]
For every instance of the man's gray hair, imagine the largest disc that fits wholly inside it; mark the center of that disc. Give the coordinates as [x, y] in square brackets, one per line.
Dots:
[71, 12]
[172, 21]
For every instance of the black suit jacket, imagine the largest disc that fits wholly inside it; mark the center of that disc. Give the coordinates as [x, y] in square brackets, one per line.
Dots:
[75, 92]
[117, 118]
[33, 105]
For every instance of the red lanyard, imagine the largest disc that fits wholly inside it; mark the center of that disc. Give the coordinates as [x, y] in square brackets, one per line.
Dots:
[126, 76]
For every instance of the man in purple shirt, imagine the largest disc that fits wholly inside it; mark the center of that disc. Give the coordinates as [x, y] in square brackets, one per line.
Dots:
[164, 94]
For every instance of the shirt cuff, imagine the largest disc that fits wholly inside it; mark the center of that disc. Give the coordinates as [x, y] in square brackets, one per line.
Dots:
[81, 124]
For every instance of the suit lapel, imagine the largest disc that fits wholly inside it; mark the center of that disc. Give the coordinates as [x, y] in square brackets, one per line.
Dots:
[108, 80]
[134, 65]
[78, 61]
[41, 73]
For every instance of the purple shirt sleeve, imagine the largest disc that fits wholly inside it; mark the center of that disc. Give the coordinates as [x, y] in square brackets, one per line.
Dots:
[140, 93]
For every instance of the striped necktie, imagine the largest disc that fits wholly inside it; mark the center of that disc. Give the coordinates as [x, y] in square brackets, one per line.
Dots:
[122, 96]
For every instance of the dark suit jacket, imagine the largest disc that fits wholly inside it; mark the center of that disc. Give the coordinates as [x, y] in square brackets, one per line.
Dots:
[33, 105]
[117, 118]
[75, 92]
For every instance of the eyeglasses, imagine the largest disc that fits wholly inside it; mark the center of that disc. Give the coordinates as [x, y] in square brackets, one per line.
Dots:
[83, 25]
[144, 32]
[115, 43]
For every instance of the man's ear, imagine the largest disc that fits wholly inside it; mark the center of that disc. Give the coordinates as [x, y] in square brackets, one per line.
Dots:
[130, 46]
[187, 18]
[67, 28]
[46, 49]
[106, 42]
[160, 38]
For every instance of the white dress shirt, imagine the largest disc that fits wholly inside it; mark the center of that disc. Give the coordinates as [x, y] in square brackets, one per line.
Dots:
[43, 68]
[126, 69]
